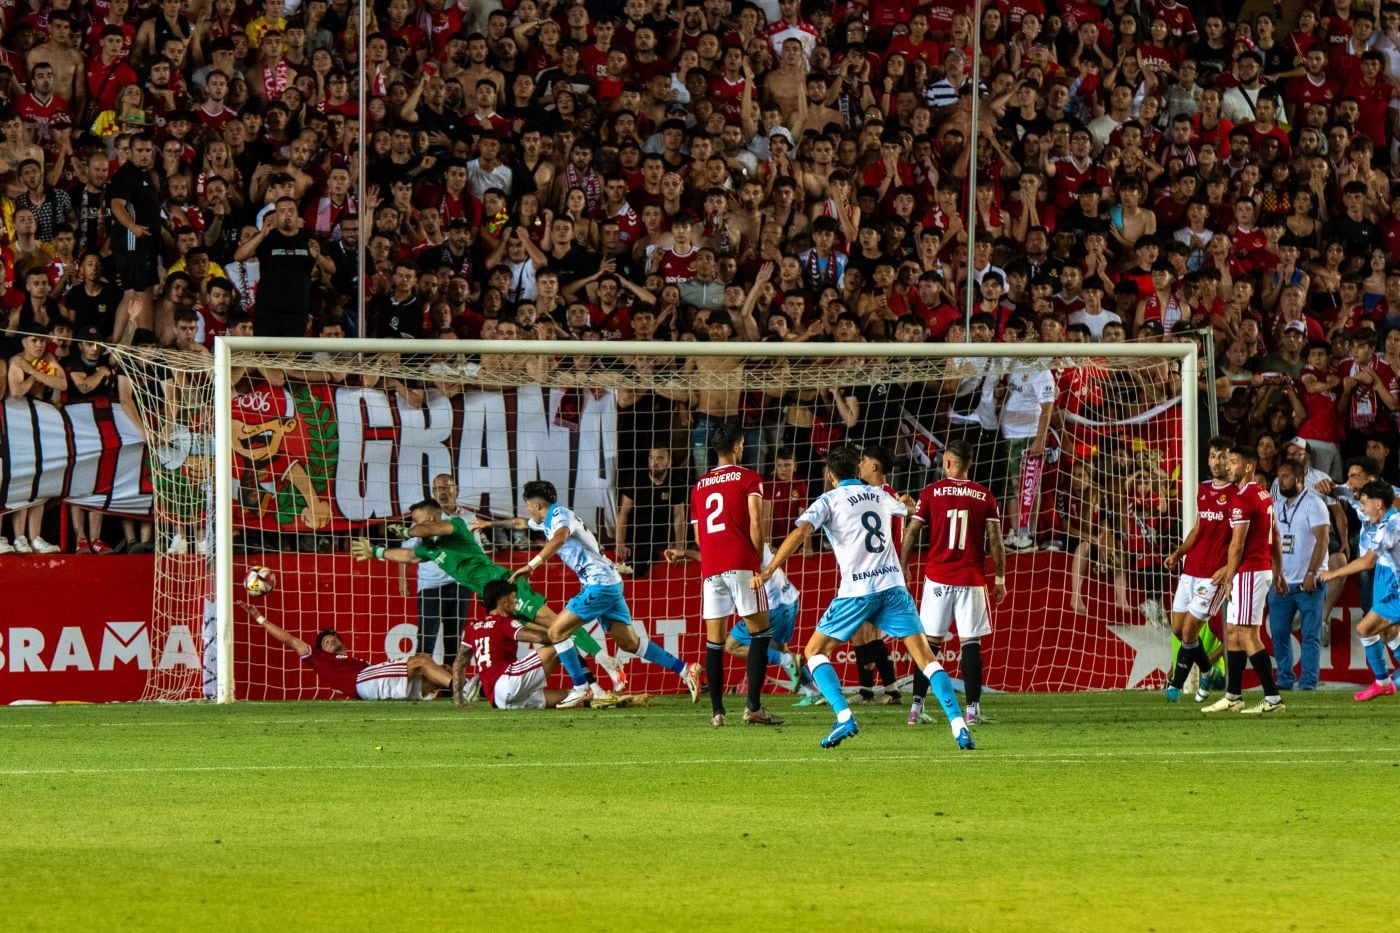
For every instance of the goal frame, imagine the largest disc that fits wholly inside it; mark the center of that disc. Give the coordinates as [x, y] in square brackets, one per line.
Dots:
[224, 348]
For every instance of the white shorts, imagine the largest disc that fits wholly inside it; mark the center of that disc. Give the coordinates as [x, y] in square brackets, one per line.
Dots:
[520, 690]
[388, 680]
[728, 593]
[1198, 597]
[941, 605]
[1248, 596]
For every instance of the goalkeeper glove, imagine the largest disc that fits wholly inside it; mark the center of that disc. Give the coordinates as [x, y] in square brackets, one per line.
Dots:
[361, 549]
[398, 529]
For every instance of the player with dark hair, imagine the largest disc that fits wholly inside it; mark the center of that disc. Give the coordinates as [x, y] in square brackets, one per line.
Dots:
[507, 680]
[731, 527]
[1255, 557]
[964, 526]
[872, 653]
[1380, 548]
[856, 519]
[1203, 586]
[601, 597]
[356, 678]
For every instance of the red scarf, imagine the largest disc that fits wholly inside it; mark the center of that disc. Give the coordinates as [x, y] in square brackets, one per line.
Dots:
[273, 87]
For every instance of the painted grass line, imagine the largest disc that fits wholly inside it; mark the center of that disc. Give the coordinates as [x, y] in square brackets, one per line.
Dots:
[1241, 756]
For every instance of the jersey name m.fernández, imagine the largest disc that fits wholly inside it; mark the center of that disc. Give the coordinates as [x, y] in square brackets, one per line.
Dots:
[856, 519]
[580, 552]
[719, 510]
[337, 671]
[1215, 504]
[495, 652]
[1255, 507]
[458, 554]
[957, 512]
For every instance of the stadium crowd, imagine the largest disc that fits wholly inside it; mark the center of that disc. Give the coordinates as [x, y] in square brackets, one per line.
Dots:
[707, 170]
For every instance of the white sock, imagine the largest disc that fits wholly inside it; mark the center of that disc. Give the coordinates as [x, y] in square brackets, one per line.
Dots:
[974, 708]
[843, 716]
[958, 725]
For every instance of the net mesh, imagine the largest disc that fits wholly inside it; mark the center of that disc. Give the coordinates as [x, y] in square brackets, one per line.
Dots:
[1082, 453]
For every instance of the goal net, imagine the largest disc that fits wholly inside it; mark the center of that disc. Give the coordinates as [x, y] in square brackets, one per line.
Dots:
[321, 442]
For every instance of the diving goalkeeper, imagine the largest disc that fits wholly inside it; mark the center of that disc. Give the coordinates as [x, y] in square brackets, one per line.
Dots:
[450, 543]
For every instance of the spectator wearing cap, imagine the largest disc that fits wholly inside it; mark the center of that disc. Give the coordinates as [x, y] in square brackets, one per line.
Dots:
[1287, 358]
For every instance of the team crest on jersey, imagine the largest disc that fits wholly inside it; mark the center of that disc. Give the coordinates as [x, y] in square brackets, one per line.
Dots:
[1220, 500]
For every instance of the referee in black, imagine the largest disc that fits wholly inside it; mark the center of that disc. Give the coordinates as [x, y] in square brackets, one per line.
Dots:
[135, 203]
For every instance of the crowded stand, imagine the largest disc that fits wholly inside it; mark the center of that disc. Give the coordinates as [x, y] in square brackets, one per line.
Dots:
[708, 171]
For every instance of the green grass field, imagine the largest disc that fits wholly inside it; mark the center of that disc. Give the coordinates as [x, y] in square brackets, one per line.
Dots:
[1089, 812]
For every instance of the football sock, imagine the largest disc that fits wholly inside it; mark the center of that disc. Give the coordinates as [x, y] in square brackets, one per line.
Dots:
[824, 676]
[757, 669]
[585, 642]
[865, 671]
[1375, 657]
[920, 685]
[1234, 673]
[1186, 658]
[654, 653]
[1264, 668]
[775, 657]
[884, 665]
[568, 659]
[942, 686]
[972, 671]
[714, 675]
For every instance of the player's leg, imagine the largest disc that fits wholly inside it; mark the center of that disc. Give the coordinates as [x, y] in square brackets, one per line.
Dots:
[818, 653]
[896, 616]
[862, 643]
[1193, 597]
[1258, 656]
[936, 608]
[975, 624]
[1371, 628]
[610, 608]
[752, 605]
[561, 632]
[716, 645]
[423, 665]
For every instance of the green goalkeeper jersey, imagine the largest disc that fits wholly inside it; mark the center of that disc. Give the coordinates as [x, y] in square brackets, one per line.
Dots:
[460, 557]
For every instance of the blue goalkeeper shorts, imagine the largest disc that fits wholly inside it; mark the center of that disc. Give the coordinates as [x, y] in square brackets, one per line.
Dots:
[604, 603]
[781, 620]
[891, 610]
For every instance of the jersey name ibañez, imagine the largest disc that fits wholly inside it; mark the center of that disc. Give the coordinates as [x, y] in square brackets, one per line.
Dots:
[958, 512]
[857, 522]
[1254, 507]
[580, 552]
[719, 510]
[1215, 504]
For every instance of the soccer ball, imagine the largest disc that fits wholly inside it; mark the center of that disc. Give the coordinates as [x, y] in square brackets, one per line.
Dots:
[259, 581]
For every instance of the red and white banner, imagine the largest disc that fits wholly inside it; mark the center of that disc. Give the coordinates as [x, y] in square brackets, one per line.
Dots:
[55, 648]
[87, 453]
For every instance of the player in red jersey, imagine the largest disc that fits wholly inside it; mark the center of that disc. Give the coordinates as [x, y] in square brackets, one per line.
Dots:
[1254, 561]
[872, 651]
[728, 512]
[964, 526]
[1202, 589]
[356, 678]
[508, 681]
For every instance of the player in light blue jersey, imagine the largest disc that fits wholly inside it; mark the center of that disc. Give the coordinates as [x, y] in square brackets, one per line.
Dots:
[856, 519]
[601, 597]
[1380, 548]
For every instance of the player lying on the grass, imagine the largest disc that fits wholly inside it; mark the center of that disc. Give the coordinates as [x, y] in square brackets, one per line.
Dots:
[451, 544]
[872, 653]
[964, 526]
[508, 681]
[731, 524]
[356, 678]
[1254, 562]
[1380, 548]
[783, 603]
[1205, 573]
[856, 519]
[601, 597]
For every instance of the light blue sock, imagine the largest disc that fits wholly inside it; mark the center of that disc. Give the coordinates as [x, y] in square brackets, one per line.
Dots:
[659, 656]
[824, 676]
[775, 658]
[568, 659]
[942, 686]
[1375, 658]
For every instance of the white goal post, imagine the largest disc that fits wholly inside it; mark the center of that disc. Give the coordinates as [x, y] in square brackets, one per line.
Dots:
[234, 352]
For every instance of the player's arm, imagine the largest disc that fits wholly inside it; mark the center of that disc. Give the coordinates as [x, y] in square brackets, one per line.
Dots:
[624, 519]
[757, 525]
[1365, 562]
[795, 539]
[1317, 558]
[459, 675]
[514, 522]
[363, 549]
[1182, 549]
[997, 548]
[277, 632]
[533, 633]
[1224, 575]
[678, 555]
[551, 547]
[1339, 518]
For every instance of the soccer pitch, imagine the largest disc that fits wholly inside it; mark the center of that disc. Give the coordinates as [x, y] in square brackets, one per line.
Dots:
[1082, 811]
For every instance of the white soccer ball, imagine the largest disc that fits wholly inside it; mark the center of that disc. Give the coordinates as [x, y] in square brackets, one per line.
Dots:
[259, 581]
